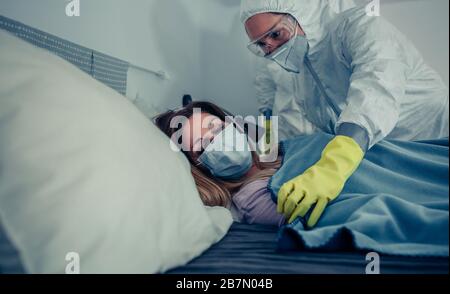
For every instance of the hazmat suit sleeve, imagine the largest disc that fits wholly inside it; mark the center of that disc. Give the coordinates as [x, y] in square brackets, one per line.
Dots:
[265, 88]
[378, 79]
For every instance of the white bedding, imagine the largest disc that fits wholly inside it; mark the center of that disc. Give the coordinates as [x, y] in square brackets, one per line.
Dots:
[83, 171]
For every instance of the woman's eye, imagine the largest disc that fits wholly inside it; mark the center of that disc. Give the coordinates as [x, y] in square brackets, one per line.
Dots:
[212, 124]
[216, 125]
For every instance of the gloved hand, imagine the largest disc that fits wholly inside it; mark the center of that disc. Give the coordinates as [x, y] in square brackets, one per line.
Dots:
[266, 148]
[268, 126]
[321, 183]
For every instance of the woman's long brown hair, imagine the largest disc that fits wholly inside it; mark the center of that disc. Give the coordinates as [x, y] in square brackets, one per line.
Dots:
[213, 191]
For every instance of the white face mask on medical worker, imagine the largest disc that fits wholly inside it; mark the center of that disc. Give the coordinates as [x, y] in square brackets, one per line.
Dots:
[291, 54]
[228, 156]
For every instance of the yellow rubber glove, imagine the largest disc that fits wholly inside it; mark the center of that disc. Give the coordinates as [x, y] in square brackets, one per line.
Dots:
[268, 129]
[321, 183]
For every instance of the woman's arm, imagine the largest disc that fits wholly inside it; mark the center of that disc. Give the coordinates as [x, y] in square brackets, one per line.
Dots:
[254, 205]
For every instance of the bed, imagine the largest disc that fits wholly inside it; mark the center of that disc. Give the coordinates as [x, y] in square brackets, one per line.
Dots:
[246, 249]
[251, 249]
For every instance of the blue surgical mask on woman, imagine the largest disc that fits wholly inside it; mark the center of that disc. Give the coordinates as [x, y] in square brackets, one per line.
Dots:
[228, 156]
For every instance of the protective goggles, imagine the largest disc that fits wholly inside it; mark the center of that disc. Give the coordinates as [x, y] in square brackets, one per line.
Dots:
[279, 35]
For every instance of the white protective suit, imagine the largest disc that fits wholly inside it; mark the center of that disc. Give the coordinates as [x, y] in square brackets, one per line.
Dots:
[370, 72]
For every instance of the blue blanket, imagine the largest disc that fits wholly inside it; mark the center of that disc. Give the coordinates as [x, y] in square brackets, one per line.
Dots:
[395, 203]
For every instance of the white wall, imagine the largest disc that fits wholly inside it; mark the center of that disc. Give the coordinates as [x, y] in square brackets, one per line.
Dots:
[228, 68]
[200, 43]
[426, 23]
[155, 34]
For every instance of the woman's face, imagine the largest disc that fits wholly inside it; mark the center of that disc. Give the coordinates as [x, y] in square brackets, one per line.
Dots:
[199, 132]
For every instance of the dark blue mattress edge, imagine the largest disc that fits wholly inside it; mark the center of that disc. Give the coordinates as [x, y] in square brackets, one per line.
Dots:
[252, 249]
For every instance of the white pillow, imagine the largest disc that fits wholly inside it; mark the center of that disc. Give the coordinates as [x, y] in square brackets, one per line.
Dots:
[82, 170]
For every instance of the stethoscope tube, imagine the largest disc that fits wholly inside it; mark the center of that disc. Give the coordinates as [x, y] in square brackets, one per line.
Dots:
[337, 111]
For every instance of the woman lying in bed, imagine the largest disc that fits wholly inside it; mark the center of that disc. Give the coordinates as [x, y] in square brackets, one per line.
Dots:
[246, 195]
[395, 203]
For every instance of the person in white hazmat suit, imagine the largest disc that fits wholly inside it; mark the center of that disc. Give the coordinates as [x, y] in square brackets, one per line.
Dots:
[349, 74]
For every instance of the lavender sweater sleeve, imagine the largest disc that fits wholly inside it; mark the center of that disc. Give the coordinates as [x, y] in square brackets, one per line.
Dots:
[253, 205]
